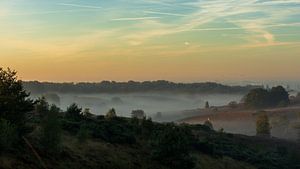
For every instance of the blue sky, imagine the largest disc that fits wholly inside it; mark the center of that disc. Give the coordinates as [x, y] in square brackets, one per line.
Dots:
[122, 39]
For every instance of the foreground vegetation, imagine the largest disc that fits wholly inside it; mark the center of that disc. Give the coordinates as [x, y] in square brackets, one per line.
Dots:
[34, 134]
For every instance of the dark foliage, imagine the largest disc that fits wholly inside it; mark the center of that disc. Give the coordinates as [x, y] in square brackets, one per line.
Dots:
[51, 131]
[8, 135]
[171, 146]
[261, 98]
[14, 101]
[74, 112]
[132, 86]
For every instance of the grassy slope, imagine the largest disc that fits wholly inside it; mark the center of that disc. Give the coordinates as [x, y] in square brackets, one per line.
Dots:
[229, 151]
[99, 154]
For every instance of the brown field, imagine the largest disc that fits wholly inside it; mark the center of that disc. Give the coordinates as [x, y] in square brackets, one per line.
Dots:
[242, 121]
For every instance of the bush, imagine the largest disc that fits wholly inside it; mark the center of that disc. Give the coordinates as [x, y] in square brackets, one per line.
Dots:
[8, 135]
[171, 147]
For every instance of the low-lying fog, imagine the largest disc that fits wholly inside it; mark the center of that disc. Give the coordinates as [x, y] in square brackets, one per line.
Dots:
[151, 103]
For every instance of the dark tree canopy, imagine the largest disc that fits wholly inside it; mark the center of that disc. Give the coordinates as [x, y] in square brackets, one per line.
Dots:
[133, 86]
[279, 96]
[14, 101]
[260, 98]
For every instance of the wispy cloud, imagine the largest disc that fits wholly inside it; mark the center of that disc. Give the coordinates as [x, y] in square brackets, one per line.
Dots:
[80, 5]
[46, 12]
[164, 13]
[134, 18]
[248, 28]
[231, 11]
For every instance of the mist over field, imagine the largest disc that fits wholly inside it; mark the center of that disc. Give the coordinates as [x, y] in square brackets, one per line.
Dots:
[168, 104]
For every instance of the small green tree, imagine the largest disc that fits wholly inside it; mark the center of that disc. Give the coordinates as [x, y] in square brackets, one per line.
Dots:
[74, 112]
[262, 125]
[51, 131]
[207, 105]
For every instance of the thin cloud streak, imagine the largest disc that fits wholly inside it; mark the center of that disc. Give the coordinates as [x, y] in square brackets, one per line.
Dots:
[135, 19]
[79, 5]
[49, 12]
[164, 13]
[248, 28]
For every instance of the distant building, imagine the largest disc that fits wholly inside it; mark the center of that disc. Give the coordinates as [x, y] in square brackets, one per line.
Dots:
[140, 114]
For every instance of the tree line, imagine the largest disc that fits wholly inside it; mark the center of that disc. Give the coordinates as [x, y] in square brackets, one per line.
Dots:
[133, 86]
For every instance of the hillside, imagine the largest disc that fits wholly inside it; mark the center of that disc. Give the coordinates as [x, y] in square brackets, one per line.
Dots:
[127, 143]
[241, 120]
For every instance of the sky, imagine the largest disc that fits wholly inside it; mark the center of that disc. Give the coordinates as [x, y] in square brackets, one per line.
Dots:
[177, 40]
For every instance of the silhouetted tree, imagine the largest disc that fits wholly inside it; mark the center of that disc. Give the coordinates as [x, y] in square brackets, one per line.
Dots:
[41, 108]
[279, 96]
[87, 113]
[206, 105]
[14, 101]
[74, 112]
[257, 98]
[260, 98]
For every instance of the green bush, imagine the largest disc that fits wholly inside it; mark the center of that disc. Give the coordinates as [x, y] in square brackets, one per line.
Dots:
[8, 135]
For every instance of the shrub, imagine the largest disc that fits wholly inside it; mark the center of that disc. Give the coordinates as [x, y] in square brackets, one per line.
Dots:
[171, 147]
